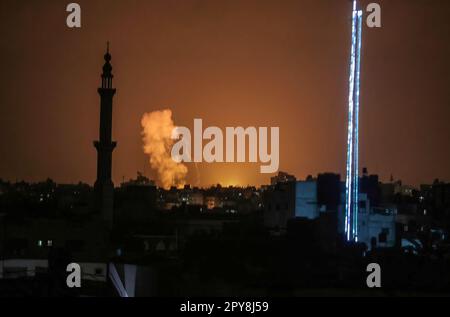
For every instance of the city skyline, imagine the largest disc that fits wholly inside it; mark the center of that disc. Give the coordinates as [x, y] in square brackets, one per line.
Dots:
[224, 150]
[280, 64]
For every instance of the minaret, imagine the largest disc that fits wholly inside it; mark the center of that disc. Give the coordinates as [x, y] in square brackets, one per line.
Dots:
[352, 177]
[104, 187]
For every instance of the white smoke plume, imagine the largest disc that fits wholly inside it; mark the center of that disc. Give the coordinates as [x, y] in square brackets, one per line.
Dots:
[157, 129]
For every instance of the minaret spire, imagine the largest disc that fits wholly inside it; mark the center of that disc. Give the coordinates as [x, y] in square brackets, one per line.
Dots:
[104, 187]
[107, 75]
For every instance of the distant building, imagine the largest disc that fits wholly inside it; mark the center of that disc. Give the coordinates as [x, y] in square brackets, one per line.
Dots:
[376, 226]
[140, 180]
[306, 199]
[34, 246]
[369, 185]
[192, 196]
[313, 196]
[282, 177]
[279, 205]
[134, 201]
[212, 202]
[324, 196]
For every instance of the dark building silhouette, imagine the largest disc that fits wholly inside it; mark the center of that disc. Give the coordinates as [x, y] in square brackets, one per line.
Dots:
[328, 190]
[369, 184]
[104, 187]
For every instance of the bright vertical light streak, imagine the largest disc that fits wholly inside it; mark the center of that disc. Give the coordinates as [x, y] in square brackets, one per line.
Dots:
[349, 175]
[356, 169]
[352, 177]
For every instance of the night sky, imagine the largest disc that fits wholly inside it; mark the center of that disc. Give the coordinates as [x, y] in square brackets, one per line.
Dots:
[231, 63]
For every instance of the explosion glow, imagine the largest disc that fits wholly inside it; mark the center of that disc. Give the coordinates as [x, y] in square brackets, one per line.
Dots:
[156, 134]
[352, 178]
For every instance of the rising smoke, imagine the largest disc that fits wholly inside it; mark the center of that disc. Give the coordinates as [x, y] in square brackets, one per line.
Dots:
[157, 129]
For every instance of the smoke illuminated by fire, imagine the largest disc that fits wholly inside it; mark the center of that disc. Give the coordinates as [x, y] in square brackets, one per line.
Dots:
[156, 135]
